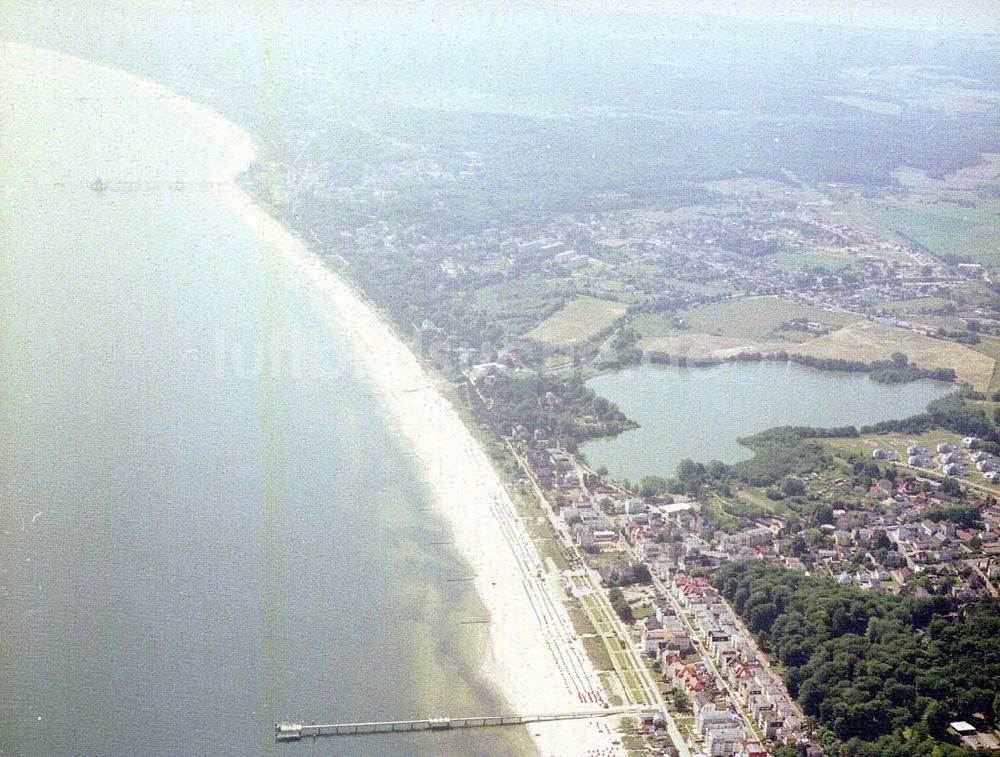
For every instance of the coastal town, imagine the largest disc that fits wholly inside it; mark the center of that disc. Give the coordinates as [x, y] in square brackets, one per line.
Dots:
[657, 552]
[517, 317]
[538, 378]
[640, 273]
[517, 301]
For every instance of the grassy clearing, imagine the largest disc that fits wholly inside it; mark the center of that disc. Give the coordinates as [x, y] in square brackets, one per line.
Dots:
[756, 317]
[581, 623]
[990, 346]
[695, 347]
[752, 498]
[921, 86]
[950, 322]
[615, 651]
[955, 99]
[728, 513]
[865, 103]
[597, 653]
[684, 724]
[987, 171]
[577, 322]
[610, 683]
[750, 185]
[943, 228]
[918, 305]
[654, 324]
[535, 522]
[802, 260]
[642, 611]
[546, 544]
[720, 518]
[519, 304]
[724, 329]
[955, 214]
[869, 342]
[691, 286]
[680, 215]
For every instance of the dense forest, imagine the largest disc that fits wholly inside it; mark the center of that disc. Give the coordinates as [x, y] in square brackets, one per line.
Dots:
[882, 675]
[783, 451]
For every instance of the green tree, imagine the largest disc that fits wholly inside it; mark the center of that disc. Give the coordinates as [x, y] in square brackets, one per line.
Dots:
[936, 717]
[680, 701]
[823, 514]
[650, 486]
[690, 476]
[799, 545]
[620, 605]
[793, 487]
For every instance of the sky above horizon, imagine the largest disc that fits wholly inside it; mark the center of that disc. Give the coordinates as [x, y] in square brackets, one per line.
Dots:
[932, 16]
[939, 16]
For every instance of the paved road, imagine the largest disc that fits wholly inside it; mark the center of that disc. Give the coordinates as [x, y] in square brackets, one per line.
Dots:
[610, 617]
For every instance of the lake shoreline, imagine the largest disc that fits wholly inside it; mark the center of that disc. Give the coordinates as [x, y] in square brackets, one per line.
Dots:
[528, 624]
[699, 412]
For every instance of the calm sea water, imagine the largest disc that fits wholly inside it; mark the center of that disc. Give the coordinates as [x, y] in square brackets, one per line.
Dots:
[207, 520]
[698, 413]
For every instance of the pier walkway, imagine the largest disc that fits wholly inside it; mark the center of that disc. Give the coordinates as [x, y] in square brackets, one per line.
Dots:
[297, 731]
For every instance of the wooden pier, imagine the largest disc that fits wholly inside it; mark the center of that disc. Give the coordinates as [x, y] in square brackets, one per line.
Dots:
[297, 731]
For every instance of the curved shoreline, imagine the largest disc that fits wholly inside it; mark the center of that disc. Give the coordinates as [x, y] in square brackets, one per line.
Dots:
[534, 657]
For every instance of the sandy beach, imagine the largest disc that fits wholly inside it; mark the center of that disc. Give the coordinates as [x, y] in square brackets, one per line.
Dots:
[534, 658]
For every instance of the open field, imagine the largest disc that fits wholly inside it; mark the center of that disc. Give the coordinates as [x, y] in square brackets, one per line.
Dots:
[801, 260]
[956, 214]
[691, 286]
[965, 179]
[655, 324]
[951, 322]
[869, 342]
[748, 500]
[865, 103]
[745, 503]
[955, 99]
[923, 86]
[518, 304]
[680, 215]
[746, 187]
[756, 317]
[906, 76]
[918, 305]
[751, 185]
[943, 228]
[577, 322]
[725, 329]
[990, 346]
[953, 215]
[695, 347]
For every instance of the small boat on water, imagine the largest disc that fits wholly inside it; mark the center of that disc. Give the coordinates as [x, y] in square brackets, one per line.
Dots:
[99, 185]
